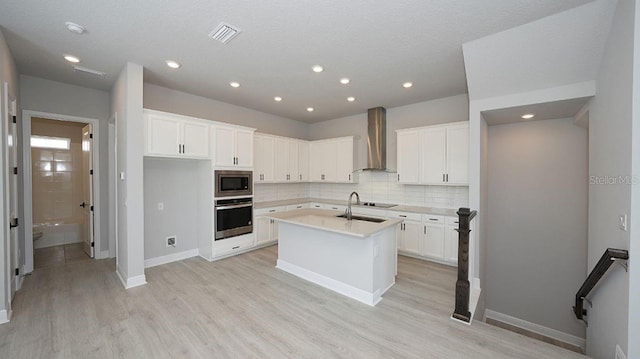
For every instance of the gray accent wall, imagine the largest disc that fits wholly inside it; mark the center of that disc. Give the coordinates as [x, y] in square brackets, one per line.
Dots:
[537, 221]
[53, 97]
[444, 110]
[168, 100]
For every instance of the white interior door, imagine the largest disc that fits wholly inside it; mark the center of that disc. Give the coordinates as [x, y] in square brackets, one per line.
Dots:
[87, 199]
[12, 176]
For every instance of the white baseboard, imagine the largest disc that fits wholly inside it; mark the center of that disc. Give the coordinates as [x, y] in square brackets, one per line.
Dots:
[102, 254]
[152, 262]
[536, 328]
[4, 316]
[131, 282]
[336, 286]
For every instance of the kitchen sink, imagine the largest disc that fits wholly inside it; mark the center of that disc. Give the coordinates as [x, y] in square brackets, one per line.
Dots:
[361, 218]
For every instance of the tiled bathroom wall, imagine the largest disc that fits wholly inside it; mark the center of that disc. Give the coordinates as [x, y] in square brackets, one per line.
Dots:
[372, 187]
[57, 181]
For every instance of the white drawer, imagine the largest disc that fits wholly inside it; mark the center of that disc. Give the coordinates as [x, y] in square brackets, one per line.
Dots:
[335, 207]
[268, 210]
[405, 215]
[453, 221]
[297, 206]
[233, 244]
[433, 219]
[317, 205]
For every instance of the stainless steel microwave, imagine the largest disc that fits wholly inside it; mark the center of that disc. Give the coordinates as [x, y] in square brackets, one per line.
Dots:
[233, 183]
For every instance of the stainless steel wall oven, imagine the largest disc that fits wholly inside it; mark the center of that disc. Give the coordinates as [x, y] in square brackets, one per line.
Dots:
[234, 217]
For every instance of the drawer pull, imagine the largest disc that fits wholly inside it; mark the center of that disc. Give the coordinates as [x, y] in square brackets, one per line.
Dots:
[272, 210]
[402, 215]
[433, 219]
[236, 247]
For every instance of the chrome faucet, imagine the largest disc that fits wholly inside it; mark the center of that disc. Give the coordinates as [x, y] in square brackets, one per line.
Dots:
[348, 210]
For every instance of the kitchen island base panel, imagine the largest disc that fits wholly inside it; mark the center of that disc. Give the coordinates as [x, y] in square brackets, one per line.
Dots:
[360, 268]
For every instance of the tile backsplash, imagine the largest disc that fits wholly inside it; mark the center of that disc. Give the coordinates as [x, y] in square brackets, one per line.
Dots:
[372, 187]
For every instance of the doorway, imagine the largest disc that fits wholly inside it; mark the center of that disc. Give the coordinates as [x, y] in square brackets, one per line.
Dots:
[61, 187]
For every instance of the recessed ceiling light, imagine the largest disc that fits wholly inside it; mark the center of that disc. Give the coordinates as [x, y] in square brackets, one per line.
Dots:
[351, 99]
[407, 85]
[528, 116]
[234, 84]
[71, 58]
[75, 28]
[310, 109]
[278, 98]
[344, 80]
[173, 64]
[317, 68]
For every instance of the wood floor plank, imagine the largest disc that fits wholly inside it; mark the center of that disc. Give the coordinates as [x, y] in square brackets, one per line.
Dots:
[243, 307]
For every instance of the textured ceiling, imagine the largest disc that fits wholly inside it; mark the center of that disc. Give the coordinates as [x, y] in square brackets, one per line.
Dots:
[377, 44]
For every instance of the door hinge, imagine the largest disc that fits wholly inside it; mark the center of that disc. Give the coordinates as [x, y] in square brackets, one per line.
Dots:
[17, 271]
[93, 244]
[15, 170]
[91, 208]
[91, 135]
[91, 172]
[15, 119]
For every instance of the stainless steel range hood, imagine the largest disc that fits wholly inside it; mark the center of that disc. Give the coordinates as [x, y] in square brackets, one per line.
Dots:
[376, 139]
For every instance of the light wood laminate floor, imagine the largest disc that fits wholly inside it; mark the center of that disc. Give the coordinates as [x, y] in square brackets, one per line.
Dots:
[243, 307]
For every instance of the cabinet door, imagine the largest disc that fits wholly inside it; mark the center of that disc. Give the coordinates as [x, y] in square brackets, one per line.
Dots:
[451, 244]
[281, 160]
[263, 230]
[163, 135]
[263, 159]
[195, 139]
[224, 146]
[433, 155]
[408, 157]
[315, 161]
[303, 161]
[244, 148]
[434, 240]
[458, 154]
[343, 160]
[293, 161]
[412, 236]
[329, 156]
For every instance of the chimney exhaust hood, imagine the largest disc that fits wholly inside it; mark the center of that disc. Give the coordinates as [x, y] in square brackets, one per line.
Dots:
[376, 139]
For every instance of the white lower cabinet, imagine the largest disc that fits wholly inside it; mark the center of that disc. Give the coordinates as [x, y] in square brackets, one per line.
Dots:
[266, 229]
[427, 236]
[451, 240]
[409, 232]
[434, 237]
[297, 206]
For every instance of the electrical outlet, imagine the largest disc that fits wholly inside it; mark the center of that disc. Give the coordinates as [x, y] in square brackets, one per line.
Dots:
[171, 241]
[160, 206]
[619, 353]
[622, 219]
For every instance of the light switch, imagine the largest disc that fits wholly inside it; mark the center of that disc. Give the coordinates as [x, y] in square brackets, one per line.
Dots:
[623, 222]
[160, 206]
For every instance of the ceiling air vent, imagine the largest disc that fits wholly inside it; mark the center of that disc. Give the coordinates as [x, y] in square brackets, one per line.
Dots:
[85, 70]
[224, 33]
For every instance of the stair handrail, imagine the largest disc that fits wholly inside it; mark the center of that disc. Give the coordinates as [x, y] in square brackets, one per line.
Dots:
[463, 287]
[610, 256]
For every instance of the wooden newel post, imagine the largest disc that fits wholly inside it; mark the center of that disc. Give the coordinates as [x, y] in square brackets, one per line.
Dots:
[463, 288]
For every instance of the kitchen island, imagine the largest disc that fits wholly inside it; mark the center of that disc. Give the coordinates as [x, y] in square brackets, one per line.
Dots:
[356, 258]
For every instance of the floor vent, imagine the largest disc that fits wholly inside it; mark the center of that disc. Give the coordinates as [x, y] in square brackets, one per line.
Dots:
[224, 33]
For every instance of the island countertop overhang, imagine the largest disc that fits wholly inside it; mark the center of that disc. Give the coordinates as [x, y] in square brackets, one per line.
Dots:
[326, 220]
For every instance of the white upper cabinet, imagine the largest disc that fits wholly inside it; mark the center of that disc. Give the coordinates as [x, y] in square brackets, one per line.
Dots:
[434, 155]
[169, 135]
[332, 160]
[409, 147]
[303, 161]
[282, 160]
[233, 147]
[264, 158]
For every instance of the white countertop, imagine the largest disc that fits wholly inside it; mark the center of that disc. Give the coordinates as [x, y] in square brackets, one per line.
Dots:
[326, 220]
[400, 208]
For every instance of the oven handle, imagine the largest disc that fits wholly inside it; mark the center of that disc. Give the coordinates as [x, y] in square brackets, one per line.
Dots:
[235, 206]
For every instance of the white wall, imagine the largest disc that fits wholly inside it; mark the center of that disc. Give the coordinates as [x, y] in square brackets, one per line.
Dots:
[610, 144]
[537, 221]
[53, 97]
[444, 110]
[126, 106]
[168, 100]
[9, 74]
[174, 183]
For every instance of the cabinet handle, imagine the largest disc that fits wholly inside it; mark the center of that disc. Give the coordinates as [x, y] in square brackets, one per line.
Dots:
[349, 177]
[236, 247]
[272, 210]
[425, 229]
[179, 149]
[398, 177]
[300, 177]
[402, 215]
[447, 177]
[183, 149]
[443, 178]
[433, 219]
